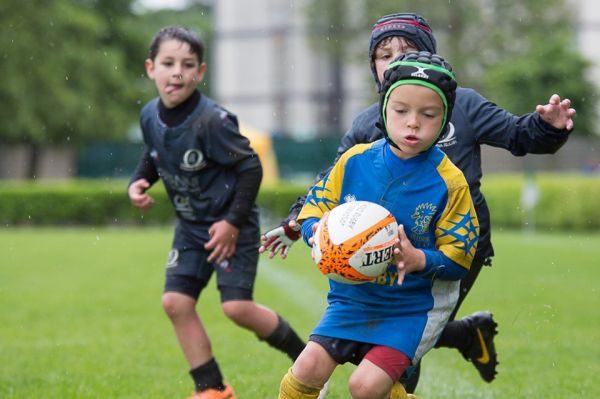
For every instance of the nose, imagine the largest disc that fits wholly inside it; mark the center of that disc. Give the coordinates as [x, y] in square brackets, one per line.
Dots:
[177, 72]
[412, 121]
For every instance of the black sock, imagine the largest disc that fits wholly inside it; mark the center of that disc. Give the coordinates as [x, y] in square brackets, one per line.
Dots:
[410, 382]
[457, 334]
[208, 376]
[285, 339]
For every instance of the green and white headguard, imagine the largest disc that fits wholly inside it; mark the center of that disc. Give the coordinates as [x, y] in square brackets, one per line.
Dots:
[419, 68]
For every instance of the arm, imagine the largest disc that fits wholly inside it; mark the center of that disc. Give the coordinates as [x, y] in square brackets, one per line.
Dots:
[246, 190]
[541, 132]
[229, 148]
[423, 262]
[456, 236]
[143, 178]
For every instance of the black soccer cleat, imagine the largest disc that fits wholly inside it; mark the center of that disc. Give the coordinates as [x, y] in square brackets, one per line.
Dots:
[482, 352]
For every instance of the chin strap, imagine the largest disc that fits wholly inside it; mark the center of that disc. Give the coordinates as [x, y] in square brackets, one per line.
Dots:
[379, 125]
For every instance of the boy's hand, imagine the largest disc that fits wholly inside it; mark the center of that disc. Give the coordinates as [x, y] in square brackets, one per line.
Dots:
[408, 258]
[137, 194]
[557, 113]
[280, 239]
[311, 240]
[223, 237]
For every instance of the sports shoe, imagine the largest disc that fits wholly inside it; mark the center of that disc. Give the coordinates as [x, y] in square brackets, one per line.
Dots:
[227, 393]
[482, 352]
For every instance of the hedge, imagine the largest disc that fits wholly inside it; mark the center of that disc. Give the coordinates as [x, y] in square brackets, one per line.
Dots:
[565, 202]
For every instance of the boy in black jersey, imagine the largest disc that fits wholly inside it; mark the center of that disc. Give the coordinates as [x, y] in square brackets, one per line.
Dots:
[212, 177]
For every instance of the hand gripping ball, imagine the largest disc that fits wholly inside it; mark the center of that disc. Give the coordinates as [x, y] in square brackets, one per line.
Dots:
[354, 242]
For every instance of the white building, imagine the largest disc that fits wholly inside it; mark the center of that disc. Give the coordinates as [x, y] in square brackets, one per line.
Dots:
[266, 71]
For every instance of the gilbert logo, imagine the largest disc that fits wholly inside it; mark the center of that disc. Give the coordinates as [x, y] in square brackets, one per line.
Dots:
[420, 73]
[378, 256]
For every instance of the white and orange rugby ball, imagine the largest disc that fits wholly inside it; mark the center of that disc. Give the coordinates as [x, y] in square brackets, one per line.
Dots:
[354, 242]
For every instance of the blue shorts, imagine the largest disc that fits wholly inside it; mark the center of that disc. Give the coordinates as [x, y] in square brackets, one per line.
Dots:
[188, 271]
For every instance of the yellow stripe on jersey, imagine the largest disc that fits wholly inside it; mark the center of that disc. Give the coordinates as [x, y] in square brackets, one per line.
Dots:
[457, 231]
[325, 195]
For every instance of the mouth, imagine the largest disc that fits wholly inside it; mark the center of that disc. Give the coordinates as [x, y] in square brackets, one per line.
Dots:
[173, 87]
[412, 140]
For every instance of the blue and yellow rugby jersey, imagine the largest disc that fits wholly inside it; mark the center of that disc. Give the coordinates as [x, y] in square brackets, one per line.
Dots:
[430, 197]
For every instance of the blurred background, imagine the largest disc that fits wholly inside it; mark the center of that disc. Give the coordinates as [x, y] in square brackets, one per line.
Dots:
[294, 71]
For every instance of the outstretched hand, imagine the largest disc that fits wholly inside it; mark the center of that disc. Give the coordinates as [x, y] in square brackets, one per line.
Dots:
[408, 258]
[557, 113]
[280, 239]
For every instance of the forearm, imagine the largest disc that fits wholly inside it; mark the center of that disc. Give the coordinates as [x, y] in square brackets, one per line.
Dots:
[438, 265]
[307, 229]
[246, 190]
[145, 169]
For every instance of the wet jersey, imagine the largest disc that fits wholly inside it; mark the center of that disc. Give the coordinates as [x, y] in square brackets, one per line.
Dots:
[430, 197]
[200, 160]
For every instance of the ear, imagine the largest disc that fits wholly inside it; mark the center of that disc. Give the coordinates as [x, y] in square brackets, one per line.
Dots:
[149, 68]
[201, 71]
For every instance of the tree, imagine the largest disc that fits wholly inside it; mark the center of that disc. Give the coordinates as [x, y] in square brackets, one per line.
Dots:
[65, 82]
[74, 71]
[489, 43]
[518, 80]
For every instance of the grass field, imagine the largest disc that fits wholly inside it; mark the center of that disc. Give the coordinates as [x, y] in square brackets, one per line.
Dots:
[80, 317]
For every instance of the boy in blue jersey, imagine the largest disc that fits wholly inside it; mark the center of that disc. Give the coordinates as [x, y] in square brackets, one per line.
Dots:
[212, 177]
[386, 326]
[475, 122]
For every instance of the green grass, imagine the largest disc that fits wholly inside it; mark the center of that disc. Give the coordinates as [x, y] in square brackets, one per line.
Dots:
[80, 317]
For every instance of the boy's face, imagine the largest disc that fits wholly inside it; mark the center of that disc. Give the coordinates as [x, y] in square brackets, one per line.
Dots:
[176, 72]
[388, 50]
[414, 116]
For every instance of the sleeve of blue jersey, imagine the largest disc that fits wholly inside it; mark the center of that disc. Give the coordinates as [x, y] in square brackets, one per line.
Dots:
[438, 265]
[307, 231]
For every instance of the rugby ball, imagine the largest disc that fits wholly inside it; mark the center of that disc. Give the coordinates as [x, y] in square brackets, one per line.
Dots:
[354, 242]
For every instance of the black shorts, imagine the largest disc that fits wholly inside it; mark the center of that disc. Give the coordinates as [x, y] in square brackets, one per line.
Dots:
[188, 271]
[342, 350]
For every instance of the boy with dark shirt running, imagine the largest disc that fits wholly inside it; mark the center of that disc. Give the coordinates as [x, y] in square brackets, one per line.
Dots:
[212, 177]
